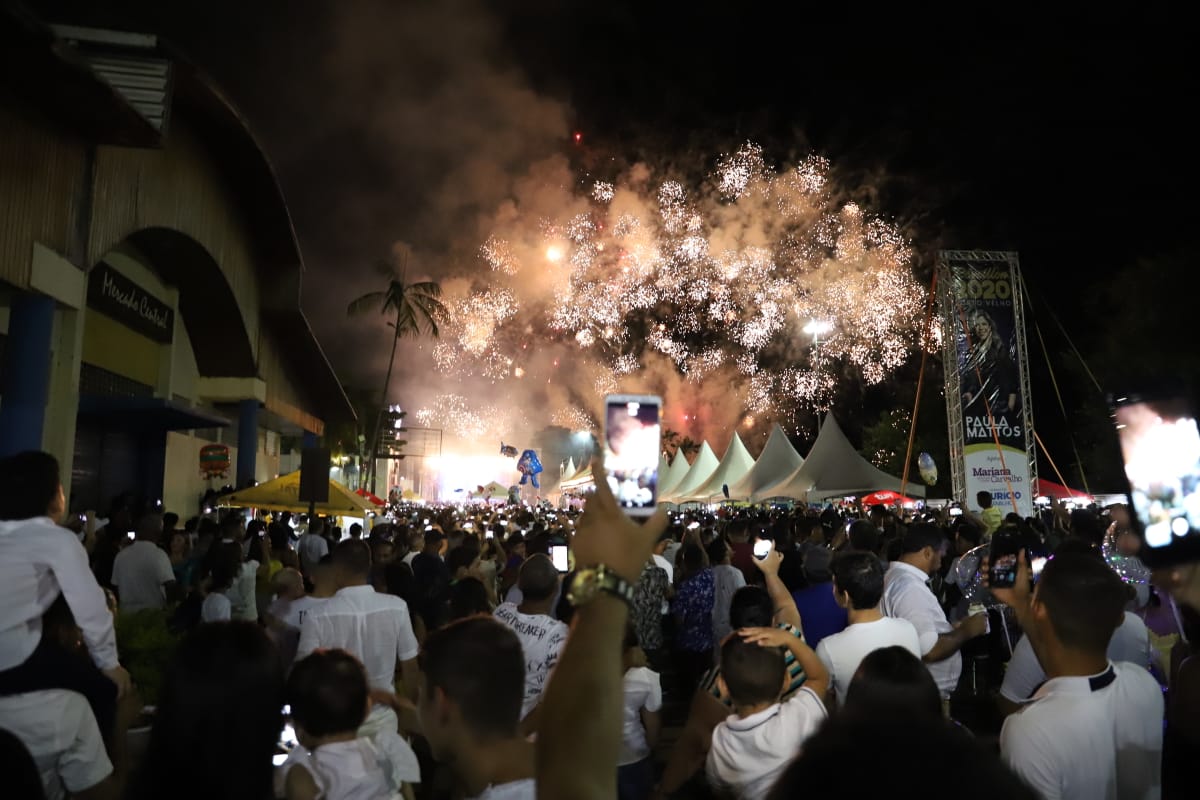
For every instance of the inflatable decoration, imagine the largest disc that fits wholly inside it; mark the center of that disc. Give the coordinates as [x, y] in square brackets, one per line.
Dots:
[508, 450]
[927, 468]
[214, 461]
[529, 466]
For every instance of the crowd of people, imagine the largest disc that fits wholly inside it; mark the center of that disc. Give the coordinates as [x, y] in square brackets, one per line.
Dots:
[517, 652]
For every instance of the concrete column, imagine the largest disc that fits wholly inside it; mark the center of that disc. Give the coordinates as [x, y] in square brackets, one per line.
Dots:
[247, 442]
[26, 379]
[310, 440]
[62, 406]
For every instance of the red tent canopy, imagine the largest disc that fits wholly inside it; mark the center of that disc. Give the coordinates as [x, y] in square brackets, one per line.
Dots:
[374, 500]
[886, 497]
[1058, 491]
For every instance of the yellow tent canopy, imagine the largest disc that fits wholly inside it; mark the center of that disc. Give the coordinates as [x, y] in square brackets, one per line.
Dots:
[283, 494]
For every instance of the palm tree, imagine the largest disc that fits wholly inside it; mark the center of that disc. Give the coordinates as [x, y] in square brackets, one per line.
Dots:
[415, 310]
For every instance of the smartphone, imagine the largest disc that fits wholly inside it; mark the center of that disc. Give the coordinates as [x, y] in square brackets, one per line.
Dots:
[558, 554]
[693, 526]
[1002, 559]
[956, 512]
[130, 535]
[762, 548]
[488, 534]
[632, 437]
[1160, 446]
[468, 526]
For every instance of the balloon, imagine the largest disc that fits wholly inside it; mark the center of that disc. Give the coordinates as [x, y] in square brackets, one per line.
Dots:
[966, 576]
[529, 466]
[927, 468]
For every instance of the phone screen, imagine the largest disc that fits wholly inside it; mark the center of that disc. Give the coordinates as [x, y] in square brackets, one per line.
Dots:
[558, 554]
[130, 535]
[1160, 445]
[631, 443]
[956, 512]
[762, 548]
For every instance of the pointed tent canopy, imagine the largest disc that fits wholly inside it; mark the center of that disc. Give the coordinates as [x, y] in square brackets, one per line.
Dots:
[283, 494]
[579, 480]
[835, 469]
[777, 461]
[570, 470]
[494, 490]
[667, 481]
[734, 465]
[701, 469]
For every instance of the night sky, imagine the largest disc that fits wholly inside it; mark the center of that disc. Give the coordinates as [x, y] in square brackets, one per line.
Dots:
[1064, 139]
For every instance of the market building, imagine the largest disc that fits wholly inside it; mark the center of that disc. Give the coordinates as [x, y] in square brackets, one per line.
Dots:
[149, 275]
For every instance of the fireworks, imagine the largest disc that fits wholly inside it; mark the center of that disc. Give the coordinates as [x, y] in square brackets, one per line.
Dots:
[719, 281]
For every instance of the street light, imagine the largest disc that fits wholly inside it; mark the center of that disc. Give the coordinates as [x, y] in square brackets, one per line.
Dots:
[815, 328]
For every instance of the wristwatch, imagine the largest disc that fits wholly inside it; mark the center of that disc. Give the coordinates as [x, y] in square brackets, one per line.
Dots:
[590, 581]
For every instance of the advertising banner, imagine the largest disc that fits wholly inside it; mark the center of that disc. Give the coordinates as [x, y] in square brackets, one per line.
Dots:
[982, 318]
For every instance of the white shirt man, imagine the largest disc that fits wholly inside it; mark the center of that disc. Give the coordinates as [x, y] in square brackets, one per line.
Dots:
[906, 596]
[669, 568]
[542, 640]
[373, 627]
[841, 653]
[1090, 738]
[38, 559]
[140, 573]
[60, 732]
[726, 580]
[1024, 674]
[311, 548]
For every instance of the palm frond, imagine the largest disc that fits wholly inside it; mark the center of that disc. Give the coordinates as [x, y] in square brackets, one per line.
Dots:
[427, 288]
[368, 302]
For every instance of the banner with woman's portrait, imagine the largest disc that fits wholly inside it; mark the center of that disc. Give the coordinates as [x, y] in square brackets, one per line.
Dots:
[985, 349]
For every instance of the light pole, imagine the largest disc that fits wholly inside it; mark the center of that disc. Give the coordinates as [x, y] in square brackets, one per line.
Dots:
[815, 328]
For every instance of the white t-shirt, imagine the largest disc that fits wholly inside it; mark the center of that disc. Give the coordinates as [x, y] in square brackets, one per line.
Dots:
[60, 732]
[216, 608]
[362, 769]
[408, 557]
[312, 548]
[642, 690]
[841, 653]
[375, 628]
[748, 755]
[1130, 642]
[669, 568]
[139, 572]
[241, 593]
[726, 580]
[38, 562]
[1090, 739]
[524, 789]
[542, 639]
[906, 596]
[293, 612]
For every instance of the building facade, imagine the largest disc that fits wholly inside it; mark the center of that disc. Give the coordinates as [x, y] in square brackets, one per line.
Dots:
[149, 275]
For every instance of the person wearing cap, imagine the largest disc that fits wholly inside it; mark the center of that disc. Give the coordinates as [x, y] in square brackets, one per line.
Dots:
[818, 607]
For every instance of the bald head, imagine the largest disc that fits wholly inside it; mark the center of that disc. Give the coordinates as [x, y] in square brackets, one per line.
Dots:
[538, 579]
[289, 584]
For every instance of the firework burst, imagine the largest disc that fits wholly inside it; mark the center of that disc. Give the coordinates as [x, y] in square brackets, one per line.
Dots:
[717, 280]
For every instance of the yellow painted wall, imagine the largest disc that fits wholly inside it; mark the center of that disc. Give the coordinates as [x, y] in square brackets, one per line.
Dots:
[110, 345]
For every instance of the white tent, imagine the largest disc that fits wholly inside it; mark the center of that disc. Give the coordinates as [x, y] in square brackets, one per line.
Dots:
[674, 474]
[777, 461]
[734, 465]
[701, 469]
[570, 470]
[835, 469]
[579, 481]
